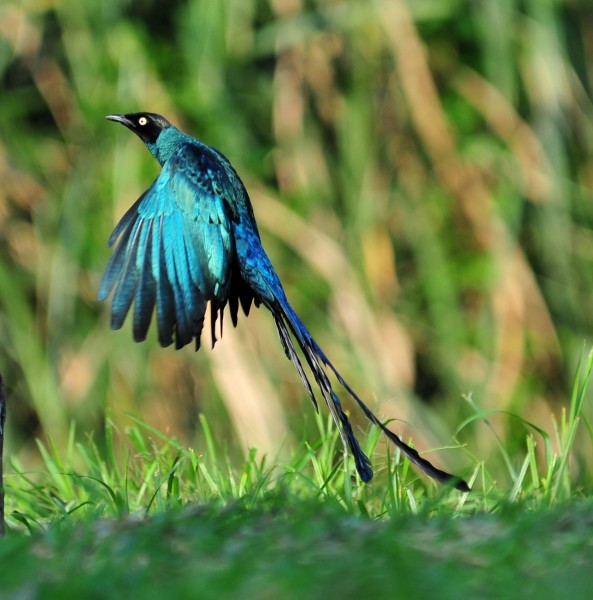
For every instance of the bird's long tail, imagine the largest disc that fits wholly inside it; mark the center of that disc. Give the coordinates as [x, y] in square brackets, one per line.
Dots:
[287, 322]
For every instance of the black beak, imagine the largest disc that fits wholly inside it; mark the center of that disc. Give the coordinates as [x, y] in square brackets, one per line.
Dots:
[121, 119]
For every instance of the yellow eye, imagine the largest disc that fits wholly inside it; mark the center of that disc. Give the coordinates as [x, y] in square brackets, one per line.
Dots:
[142, 121]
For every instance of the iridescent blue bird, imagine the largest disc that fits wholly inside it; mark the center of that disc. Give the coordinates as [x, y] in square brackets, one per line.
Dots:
[191, 239]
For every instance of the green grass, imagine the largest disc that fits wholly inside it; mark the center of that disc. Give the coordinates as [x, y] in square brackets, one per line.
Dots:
[140, 513]
[149, 517]
[290, 547]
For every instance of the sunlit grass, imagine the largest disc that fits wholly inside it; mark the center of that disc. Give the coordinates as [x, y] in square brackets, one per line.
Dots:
[142, 472]
[102, 518]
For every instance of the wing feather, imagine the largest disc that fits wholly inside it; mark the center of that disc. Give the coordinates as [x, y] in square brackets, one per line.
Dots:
[146, 292]
[128, 281]
[174, 250]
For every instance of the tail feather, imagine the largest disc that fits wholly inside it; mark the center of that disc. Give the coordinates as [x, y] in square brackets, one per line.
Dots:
[293, 356]
[287, 321]
[284, 325]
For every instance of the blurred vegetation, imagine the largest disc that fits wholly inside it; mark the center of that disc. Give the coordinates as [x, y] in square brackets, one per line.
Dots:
[422, 174]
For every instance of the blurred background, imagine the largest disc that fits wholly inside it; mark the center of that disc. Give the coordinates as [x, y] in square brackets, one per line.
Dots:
[421, 172]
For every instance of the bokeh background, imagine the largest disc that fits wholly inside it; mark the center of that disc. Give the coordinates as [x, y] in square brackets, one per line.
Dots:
[422, 174]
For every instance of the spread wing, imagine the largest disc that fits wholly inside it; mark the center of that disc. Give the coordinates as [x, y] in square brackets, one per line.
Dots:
[175, 249]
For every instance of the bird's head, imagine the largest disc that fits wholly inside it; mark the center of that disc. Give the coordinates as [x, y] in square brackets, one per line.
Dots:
[147, 126]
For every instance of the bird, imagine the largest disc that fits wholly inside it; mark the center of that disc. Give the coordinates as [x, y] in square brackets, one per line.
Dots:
[192, 239]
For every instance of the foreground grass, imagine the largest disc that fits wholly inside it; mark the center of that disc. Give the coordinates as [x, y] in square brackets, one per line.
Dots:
[141, 471]
[172, 521]
[290, 547]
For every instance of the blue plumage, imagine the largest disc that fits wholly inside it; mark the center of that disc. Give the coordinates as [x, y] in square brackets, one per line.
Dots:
[191, 239]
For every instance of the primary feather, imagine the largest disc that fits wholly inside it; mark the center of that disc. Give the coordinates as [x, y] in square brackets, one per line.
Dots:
[191, 239]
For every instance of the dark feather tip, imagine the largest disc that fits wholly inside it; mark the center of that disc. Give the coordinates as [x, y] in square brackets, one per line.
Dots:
[462, 486]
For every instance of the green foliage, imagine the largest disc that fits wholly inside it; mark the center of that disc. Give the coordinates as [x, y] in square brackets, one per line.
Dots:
[142, 472]
[152, 517]
[306, 549]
